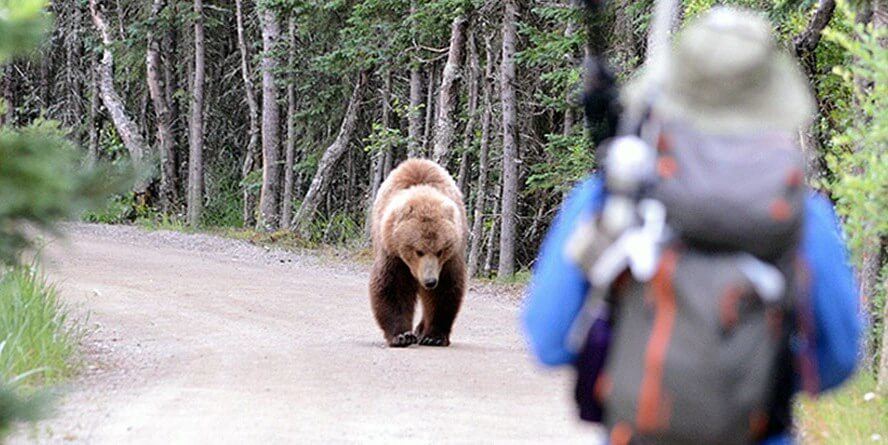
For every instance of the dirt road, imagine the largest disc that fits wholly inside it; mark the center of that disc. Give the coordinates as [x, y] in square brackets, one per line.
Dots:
[199, 339]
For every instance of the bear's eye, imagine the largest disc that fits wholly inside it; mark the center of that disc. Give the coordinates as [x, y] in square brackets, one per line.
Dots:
[420, 253]
[440, 253]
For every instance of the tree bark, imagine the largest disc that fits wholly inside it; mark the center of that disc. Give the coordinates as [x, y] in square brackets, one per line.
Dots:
[510, 143]
[169, 59]
[414, 117]
[805, 46]
[449, 95]
[379, 159]
[195, 152]
[126, 128]
[252, 155]
[163, 119]
[290, 156]
[429, 112]
[474, 73]
[269, 208]
[92, 152]
[492, 237]
[414, 141]
[332, 154]
[483, 162]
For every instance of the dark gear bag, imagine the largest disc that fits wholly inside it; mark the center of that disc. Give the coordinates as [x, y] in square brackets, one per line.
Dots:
[699, 353]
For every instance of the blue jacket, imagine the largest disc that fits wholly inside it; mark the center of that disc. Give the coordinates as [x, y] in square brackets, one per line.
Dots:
[558, 289]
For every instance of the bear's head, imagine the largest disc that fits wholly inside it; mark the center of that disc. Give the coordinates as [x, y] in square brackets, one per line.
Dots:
[422, 227]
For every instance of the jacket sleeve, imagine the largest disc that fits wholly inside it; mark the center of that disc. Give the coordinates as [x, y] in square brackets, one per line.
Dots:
[833, 297]
[558, 286]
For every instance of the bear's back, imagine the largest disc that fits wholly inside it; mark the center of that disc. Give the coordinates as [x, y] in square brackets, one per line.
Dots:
[411, 173]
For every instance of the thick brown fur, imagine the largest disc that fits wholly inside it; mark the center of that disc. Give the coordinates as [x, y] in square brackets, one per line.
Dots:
[419, 233]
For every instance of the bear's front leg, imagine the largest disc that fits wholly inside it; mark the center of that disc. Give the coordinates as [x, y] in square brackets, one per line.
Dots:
[393, 297]
[441, 305]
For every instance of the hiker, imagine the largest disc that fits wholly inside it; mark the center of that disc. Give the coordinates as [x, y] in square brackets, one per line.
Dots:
[724, 92]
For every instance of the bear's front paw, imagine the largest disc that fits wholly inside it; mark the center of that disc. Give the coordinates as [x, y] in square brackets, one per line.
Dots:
[403, 340]
[434, 340]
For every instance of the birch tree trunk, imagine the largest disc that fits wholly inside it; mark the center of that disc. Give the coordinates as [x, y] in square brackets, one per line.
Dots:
[269, 208]
[510, 143]
[483, 162]
[163, 118]
[429, 112]
[318, 188]
[414, 118]
[126, 128]
[449, 94]
[252, 155]
[92, 152]
[492, 237]
[290, 156]
[414, 129]
[195, 152]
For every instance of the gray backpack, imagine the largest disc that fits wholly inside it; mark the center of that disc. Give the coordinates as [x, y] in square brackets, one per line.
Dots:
[700, 354]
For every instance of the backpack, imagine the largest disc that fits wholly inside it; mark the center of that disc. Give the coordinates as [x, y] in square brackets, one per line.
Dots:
[701, 352]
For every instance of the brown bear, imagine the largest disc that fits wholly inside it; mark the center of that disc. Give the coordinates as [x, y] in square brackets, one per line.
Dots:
[419, 233]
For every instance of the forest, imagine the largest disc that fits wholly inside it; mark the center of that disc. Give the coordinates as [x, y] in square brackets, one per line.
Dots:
[285, 116]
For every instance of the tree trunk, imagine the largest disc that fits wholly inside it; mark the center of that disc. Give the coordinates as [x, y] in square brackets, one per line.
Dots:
[414, 141]
[483, 162]
[510, 143]
[415, 112]
[252, 155]
[318, 188]
[492, 237]
[126, 128]
[430, 112]
[195, 152]
[449, 94]
[287, 204]
[805, 46]
[92, 153]
[474, 73]
[269, 208]
[379, 158]
[169, 62]
[163, 119]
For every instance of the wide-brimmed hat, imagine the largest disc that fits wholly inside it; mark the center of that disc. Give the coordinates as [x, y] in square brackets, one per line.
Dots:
[725, 74]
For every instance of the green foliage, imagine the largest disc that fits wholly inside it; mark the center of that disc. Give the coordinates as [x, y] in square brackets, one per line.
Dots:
[224, 206]
[572, 160]
[41, 181]
[860, 153]
[383, 139]
[37, 337]
[337, 229]
[22, 26]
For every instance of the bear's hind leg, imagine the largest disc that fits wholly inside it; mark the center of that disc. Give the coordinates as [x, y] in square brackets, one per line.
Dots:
[393, 297]
[440, 307]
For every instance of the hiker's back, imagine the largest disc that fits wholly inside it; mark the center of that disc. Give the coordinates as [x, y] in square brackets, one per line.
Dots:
[699, 350]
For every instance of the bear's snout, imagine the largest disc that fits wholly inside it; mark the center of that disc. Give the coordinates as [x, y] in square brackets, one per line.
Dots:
[429, 269]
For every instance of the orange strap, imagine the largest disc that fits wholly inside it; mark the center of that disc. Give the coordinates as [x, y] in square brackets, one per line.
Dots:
[650, 397]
